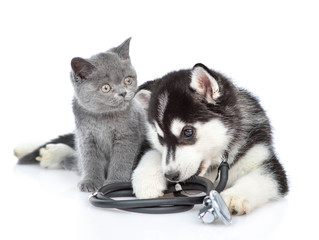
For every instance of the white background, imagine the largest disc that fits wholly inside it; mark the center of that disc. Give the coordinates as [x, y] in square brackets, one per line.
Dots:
[268, 47]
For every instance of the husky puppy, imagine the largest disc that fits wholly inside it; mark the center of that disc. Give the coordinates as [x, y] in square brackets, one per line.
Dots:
[198, 117]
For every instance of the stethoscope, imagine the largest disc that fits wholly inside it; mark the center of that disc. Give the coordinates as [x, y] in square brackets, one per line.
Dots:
[214, 206]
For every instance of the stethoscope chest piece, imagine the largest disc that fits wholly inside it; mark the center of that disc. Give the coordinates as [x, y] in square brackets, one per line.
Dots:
[214, 208]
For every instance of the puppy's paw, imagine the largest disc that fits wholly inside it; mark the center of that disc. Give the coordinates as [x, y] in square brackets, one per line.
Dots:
[52, 155]
[148, 186]
[148, 180]
[237, 203]
[23, 149]
[89, 185]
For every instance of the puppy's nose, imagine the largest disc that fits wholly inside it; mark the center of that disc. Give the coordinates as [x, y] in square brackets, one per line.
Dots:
[172, 176]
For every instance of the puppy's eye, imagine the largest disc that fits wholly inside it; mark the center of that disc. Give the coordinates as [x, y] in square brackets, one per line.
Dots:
[188, 136]
[160, 138]
[106, 88]
[128, 81]
[188, 132]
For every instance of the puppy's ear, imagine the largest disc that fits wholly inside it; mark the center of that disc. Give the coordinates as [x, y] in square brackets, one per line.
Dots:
[143, 97]
[81, 67]
[204, 83]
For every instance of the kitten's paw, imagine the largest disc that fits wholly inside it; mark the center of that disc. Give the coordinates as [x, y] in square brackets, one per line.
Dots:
[149, 186]
[107, 182]
[88, 185]
[52, 155]
[237, 203]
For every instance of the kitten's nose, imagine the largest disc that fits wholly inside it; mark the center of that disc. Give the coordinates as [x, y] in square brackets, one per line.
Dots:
[172, 176]
[123, 94]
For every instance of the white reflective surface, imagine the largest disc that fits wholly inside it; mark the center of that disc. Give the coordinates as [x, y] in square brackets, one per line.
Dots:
[271, 48]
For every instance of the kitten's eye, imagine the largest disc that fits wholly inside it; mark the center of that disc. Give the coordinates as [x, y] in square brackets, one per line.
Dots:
[188, 132]
[128, 81]
[106, 88]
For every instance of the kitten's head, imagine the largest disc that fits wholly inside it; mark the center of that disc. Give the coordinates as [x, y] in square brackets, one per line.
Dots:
[106, 82]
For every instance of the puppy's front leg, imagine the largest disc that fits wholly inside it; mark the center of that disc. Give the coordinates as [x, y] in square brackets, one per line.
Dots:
[148, 179]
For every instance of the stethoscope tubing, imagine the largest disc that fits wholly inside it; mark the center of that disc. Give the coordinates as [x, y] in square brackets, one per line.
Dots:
[104, 196]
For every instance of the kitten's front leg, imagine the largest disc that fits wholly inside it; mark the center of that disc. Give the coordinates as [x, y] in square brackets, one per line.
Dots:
[91, 165]
[122, 160]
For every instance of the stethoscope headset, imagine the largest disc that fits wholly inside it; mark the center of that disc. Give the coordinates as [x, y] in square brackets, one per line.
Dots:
[214, 206]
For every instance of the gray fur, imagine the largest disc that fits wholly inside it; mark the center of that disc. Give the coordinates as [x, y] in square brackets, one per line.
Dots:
[109, 126]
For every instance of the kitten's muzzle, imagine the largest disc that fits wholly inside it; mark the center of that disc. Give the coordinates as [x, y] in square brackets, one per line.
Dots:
[122, 94]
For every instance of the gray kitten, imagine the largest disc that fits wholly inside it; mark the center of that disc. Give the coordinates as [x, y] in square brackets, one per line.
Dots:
[109, 121]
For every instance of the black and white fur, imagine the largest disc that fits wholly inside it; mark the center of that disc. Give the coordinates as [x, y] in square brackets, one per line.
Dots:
[194, 117]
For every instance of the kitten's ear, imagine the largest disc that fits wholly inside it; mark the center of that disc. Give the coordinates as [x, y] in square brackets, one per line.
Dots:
[143, 97]
[204, 83]
[81, 67]
[124, 49]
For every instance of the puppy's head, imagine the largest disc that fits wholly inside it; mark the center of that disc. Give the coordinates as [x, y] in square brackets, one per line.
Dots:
[185, 121]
